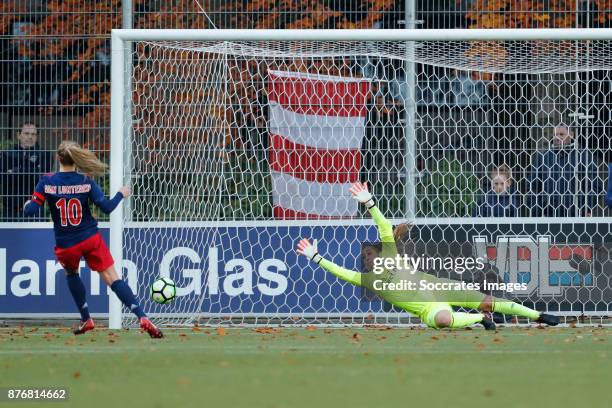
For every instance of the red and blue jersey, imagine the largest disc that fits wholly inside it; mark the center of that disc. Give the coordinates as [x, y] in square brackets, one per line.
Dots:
[68, 194]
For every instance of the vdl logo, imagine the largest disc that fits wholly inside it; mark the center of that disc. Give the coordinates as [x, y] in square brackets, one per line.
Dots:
[517, 256]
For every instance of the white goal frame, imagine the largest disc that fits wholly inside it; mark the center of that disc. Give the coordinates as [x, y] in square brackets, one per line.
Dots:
[120, 88]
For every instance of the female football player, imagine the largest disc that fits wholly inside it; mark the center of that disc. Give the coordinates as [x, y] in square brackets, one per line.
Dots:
[67, 193]
[426, 305]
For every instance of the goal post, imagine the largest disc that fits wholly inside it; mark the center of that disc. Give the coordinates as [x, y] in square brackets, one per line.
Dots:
[117, 176]
[214, 157]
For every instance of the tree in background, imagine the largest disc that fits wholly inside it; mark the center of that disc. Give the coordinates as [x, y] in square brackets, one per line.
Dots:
[537, 13]
[533, 14]
[304, 14]
[78, 32]
[73, 37]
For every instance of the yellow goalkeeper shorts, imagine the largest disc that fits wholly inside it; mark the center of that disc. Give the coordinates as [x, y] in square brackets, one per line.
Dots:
[428, 316]
[426, 311]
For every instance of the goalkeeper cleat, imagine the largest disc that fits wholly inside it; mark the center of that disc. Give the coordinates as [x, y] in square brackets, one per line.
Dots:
[85, 326]
[488, 323]
[548, 319]
[149, 327]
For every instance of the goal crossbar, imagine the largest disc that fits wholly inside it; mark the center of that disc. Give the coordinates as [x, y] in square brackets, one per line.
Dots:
[496, 34]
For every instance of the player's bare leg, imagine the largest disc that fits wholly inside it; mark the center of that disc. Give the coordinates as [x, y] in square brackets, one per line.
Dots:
[125, 294]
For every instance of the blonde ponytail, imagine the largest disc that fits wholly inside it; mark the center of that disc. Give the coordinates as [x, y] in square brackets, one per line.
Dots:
[70, 153]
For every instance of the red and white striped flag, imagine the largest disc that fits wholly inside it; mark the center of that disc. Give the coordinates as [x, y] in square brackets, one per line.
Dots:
[316, 126]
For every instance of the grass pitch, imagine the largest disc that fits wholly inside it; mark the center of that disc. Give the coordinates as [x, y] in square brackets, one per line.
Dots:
[314, 367]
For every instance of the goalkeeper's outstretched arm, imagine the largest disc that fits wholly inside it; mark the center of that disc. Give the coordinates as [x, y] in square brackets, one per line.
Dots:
[310, 251]
[385, 229]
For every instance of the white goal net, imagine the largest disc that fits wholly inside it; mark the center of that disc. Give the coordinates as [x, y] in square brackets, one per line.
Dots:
[236, 150]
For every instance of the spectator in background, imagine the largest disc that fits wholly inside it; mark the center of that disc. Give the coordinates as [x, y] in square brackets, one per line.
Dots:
[20, 170]
[502, 199]
[564, 180]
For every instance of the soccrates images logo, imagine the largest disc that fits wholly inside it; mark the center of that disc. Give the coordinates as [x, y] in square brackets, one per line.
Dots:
[546, 268]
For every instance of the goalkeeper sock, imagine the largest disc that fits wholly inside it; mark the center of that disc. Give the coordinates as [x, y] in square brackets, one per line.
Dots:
[77, 290]
[465, 319]
[514, 309]
[125, 294]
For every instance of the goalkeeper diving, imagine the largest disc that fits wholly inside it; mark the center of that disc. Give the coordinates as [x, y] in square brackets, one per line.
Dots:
[435, 309]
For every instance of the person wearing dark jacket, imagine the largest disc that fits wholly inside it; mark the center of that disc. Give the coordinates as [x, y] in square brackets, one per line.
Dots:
[564, 180]
[20, 168]
[502, 199]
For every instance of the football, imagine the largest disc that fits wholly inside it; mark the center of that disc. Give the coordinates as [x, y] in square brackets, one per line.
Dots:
[163, 290]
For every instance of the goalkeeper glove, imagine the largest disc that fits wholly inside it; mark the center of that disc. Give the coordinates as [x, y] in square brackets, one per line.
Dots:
[309, 250]
[360, 193]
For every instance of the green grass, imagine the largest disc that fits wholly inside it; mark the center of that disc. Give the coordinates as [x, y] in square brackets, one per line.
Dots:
[376, 367]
